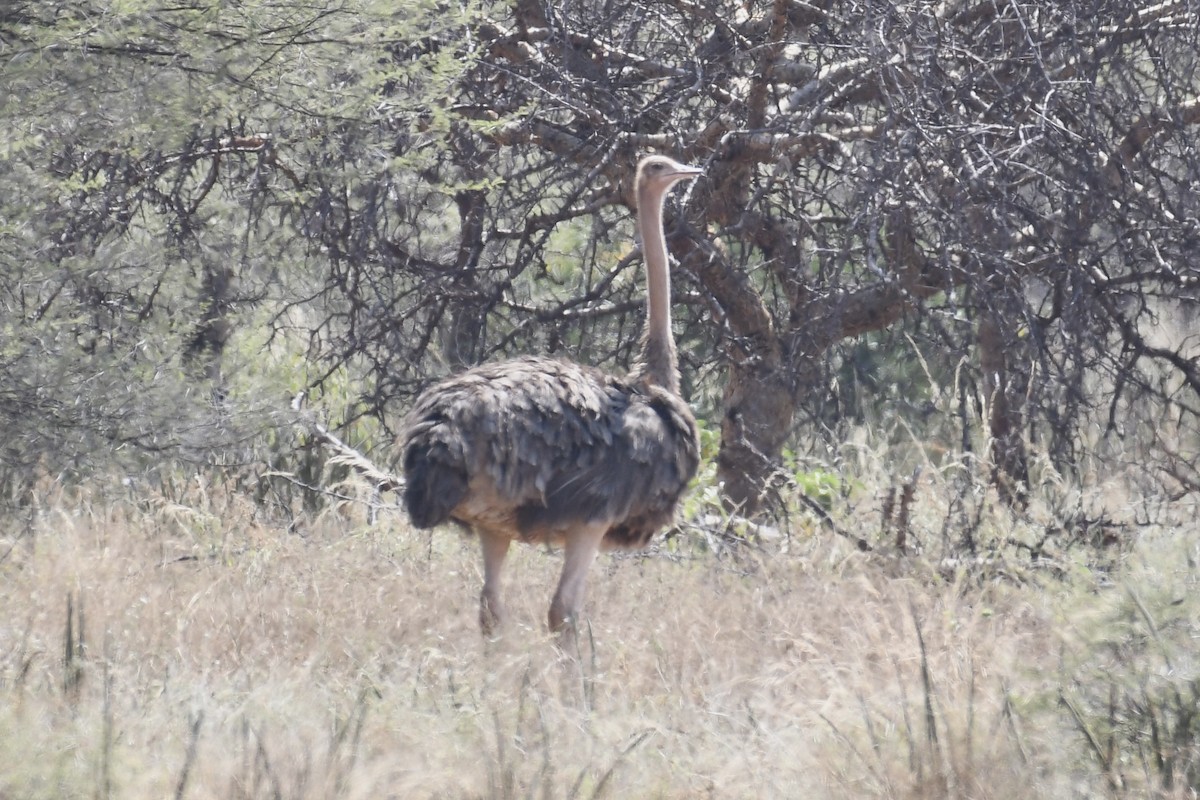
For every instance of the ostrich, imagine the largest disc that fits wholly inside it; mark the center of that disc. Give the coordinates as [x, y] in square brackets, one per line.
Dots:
[540, 450]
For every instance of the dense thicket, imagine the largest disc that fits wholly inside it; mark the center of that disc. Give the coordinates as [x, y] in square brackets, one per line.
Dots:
[975, 218]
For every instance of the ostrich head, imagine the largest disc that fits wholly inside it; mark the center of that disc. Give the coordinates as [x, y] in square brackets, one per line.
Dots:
[657, 174]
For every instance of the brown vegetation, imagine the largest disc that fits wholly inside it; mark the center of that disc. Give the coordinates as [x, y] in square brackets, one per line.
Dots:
[215, 654]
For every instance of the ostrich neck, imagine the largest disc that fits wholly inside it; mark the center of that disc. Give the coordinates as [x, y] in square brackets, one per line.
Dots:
[658, 363]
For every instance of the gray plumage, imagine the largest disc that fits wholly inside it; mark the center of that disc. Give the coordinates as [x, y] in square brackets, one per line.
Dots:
[538, 449]
[560, 443]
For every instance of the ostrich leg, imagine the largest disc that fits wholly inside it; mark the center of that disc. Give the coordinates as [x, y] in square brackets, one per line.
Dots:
[495, 548]
[578, 553]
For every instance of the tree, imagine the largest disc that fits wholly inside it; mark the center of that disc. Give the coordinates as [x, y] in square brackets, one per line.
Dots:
[1012, 182]
[150, 213]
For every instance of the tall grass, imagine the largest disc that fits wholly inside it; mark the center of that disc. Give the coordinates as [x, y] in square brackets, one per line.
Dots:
[190, 647]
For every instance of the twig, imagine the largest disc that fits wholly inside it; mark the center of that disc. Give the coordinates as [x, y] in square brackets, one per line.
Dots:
[384, 481]
[190, 758]
[859, 542]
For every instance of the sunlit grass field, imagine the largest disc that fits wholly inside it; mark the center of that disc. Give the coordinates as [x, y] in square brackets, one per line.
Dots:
[194, 647]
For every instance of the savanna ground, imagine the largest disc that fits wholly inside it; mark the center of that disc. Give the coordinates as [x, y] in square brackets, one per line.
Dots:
[192, 647]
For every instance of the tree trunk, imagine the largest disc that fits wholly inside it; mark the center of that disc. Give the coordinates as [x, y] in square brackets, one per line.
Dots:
[207, 343]
[759, 404]
[1005, 384]
[461, 337]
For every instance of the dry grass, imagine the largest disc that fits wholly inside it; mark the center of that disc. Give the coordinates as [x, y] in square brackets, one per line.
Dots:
[207, 654]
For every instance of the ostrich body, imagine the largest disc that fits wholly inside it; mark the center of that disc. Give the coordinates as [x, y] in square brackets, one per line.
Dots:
[543, 450]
